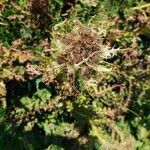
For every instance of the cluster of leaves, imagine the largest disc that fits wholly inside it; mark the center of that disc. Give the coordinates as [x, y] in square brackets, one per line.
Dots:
[70, 79]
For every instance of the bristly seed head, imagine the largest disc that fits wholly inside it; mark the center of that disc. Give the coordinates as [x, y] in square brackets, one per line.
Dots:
[81, 43]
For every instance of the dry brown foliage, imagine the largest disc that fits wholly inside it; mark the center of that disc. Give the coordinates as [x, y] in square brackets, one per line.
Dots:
[40, 10]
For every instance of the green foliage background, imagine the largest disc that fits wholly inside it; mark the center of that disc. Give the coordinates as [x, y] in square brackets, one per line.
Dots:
[50, 105]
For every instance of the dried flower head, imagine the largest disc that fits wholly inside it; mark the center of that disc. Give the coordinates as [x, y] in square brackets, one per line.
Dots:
[80, 44]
